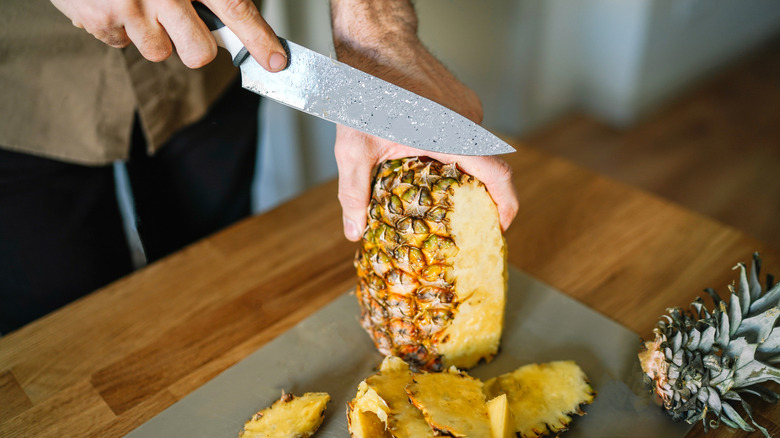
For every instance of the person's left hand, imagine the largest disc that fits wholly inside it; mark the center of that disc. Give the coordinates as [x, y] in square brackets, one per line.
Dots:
[357, 154]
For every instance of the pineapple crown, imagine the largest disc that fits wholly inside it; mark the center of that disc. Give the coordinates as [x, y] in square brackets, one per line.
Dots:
[701, 362]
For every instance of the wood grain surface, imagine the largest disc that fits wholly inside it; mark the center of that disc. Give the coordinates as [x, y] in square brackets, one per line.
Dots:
[109, 362]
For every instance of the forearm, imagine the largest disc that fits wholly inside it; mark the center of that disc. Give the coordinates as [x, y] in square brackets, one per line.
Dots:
[380, 38]
[378, 25]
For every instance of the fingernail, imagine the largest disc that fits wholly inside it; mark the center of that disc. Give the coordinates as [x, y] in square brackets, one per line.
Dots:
[351, 230]
[277, 61]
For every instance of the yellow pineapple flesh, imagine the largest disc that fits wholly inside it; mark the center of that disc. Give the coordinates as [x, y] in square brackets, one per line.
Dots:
[288, 417]
[432, 266]
[452, 403]
[541, 397]
[501, 423]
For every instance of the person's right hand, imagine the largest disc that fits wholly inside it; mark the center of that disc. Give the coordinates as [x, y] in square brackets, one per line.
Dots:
[156, 26]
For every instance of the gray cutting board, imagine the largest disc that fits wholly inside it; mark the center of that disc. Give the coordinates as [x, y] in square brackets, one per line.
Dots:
[330, 352]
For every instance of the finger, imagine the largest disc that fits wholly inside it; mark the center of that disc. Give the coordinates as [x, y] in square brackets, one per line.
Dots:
[243, 18]
[114, 36]
[354, 167]
[496, 174]
[193, 41]
[149, 37]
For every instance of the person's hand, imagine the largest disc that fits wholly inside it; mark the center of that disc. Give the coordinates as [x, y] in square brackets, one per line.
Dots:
[156, 26]
[404, 62]
[357, 154]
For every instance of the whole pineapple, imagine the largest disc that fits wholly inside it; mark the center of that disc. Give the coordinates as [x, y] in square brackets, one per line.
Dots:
[701, 363]
[432, 266]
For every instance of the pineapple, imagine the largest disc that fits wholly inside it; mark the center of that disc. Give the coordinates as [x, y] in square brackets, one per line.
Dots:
[701, 363]
[382, 404]
[432, 266]
[452, 402]
[288, 417]
[542, 396]
[502, 425]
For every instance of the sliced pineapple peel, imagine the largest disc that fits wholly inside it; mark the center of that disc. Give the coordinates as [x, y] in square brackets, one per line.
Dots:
[542, 397]
[452, 402]
[532, 401]
[288, 417]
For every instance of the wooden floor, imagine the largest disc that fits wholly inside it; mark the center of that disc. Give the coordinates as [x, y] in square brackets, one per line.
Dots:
[715, 150]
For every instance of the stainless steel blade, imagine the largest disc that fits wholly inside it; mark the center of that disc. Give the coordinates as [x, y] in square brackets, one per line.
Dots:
[326, 88]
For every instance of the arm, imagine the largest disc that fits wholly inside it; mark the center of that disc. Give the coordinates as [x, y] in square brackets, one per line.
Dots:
[156, 26]
[380, 38]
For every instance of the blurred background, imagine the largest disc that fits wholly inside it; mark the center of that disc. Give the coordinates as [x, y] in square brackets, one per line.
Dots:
[677, 97]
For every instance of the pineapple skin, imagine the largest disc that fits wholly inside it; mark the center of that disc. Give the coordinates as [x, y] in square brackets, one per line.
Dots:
[541, 397]
[452, 402]
[432, 266]
[288, 417]
[381, 407]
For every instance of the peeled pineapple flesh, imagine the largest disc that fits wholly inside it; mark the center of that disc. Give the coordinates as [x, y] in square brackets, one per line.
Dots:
[452, 402]
[432, 266]
[501, 423]
[288, 417]
[542, 396]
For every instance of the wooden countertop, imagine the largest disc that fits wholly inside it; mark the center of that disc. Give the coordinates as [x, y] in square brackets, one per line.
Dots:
[106, 364]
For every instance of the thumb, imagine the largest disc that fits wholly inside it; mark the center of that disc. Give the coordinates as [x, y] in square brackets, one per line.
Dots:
[354, 181]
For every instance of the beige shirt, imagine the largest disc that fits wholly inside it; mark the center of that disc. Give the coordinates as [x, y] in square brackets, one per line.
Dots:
[66, 95]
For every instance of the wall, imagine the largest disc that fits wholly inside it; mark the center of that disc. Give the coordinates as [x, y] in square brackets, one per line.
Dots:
[530, 61]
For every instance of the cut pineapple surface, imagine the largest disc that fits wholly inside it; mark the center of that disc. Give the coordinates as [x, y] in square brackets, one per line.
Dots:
[542, 397]
[501, 423]
[288, 417]
[452, 402]
[432, 266]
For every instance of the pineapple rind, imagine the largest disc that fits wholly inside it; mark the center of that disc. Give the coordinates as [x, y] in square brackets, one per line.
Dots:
[367, 414]
[288, 417]
[452, 402]
[541, 396]
[382, 395]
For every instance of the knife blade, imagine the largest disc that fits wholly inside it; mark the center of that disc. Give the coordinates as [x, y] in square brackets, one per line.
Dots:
[324, 87]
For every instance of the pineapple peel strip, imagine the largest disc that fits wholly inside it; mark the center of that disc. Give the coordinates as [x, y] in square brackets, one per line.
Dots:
[548, 422]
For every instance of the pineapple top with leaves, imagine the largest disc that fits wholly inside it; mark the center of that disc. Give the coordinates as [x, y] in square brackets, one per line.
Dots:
[701, 362]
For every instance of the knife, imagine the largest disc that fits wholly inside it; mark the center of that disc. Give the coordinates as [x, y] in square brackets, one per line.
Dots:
[326, 88]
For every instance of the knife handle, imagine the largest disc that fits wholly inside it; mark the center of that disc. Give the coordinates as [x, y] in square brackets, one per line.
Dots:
[224, 36]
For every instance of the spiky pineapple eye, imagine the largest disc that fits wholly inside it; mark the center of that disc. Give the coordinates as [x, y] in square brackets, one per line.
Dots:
[436, 214]
[394, 205]
[408, 196]
[444, 184]
[425, 197]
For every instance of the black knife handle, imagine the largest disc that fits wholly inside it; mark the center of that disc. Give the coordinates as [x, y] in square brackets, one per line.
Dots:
[215, 25]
